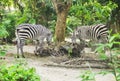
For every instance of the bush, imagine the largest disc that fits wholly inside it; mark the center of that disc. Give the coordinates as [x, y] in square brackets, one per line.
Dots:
[18, 73]
[114, 53]
[3, 50]
[8, 24]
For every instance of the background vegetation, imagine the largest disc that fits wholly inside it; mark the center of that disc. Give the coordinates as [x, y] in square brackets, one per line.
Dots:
[17, 72]
[81, 12]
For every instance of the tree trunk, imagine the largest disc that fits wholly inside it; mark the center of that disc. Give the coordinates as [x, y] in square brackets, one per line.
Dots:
[62, 9]
[60, 26]
[115, 18]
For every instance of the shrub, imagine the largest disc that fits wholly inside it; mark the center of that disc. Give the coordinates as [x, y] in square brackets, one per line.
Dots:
[114, 53]
[18, 72]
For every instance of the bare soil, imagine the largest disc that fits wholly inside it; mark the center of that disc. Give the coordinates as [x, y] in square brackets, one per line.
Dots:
[52, 68]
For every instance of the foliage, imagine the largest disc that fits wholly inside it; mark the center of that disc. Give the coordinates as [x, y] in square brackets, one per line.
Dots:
[113, 40]
[3, 32]
[36, 12]
[8, 23]
[3, 50]
[82, 12]
[13, 13]
[72, 22]
[113, 58]
[89, 12]
[114, 54]
[88, 75]
[52, 25]
[18, 73]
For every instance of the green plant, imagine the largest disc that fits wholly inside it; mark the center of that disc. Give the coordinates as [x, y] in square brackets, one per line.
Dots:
[8, 23]
[88, 75]
[113, 57]
[91, 11]
[3, 31]
[18, 72]
[113, 53]
[3, 50]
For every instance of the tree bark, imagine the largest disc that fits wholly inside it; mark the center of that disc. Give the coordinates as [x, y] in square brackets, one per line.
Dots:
[62, 9]
[115, 18]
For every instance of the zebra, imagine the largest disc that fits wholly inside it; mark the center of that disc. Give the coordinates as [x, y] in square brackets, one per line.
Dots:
[96, 33]
[32, 32]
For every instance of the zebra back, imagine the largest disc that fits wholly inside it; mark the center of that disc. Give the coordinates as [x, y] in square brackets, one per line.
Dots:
[96, 33]
[34, 32]
[99, 33]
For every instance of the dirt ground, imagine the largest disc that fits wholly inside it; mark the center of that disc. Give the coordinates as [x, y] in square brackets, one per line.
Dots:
[51, 73]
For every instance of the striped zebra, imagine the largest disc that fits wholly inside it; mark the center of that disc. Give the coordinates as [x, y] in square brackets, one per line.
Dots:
[32, 32]
[96, 33]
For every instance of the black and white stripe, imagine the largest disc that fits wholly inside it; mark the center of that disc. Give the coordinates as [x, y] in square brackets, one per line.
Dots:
[97, 33]
[32, 32]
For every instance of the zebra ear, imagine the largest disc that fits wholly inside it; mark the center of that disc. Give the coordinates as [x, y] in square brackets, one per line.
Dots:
[49, 34]
[88, 32]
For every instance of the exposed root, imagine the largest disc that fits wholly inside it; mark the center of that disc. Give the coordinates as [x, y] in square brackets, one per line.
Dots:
[73, 50]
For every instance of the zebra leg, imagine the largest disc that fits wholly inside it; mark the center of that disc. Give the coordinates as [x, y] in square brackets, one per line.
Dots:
[18, 47]
[73, 38]
[41, 42]
[81, 41]
[93, 45]
[36, 47]
[21, 48]
[22, 51]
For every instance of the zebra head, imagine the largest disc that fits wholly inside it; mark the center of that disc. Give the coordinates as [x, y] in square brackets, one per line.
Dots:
[75, 35]
[102, 39]
[77, 32]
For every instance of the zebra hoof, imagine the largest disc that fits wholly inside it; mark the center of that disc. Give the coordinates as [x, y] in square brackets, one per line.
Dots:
[17, 56]
[35, 53]
[23, 56]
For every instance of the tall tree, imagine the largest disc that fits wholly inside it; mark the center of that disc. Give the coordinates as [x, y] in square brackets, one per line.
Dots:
[61, 7]
[115, 17]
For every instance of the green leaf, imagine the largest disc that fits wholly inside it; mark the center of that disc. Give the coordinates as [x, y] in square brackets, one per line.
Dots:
[2, 53]
[100, 47]
[109, 45]
[112, 38]
[116, 42]
[32, 21]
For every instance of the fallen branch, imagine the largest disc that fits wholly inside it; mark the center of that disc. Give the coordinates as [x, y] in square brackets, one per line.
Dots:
[84, 60]
[77, 66]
